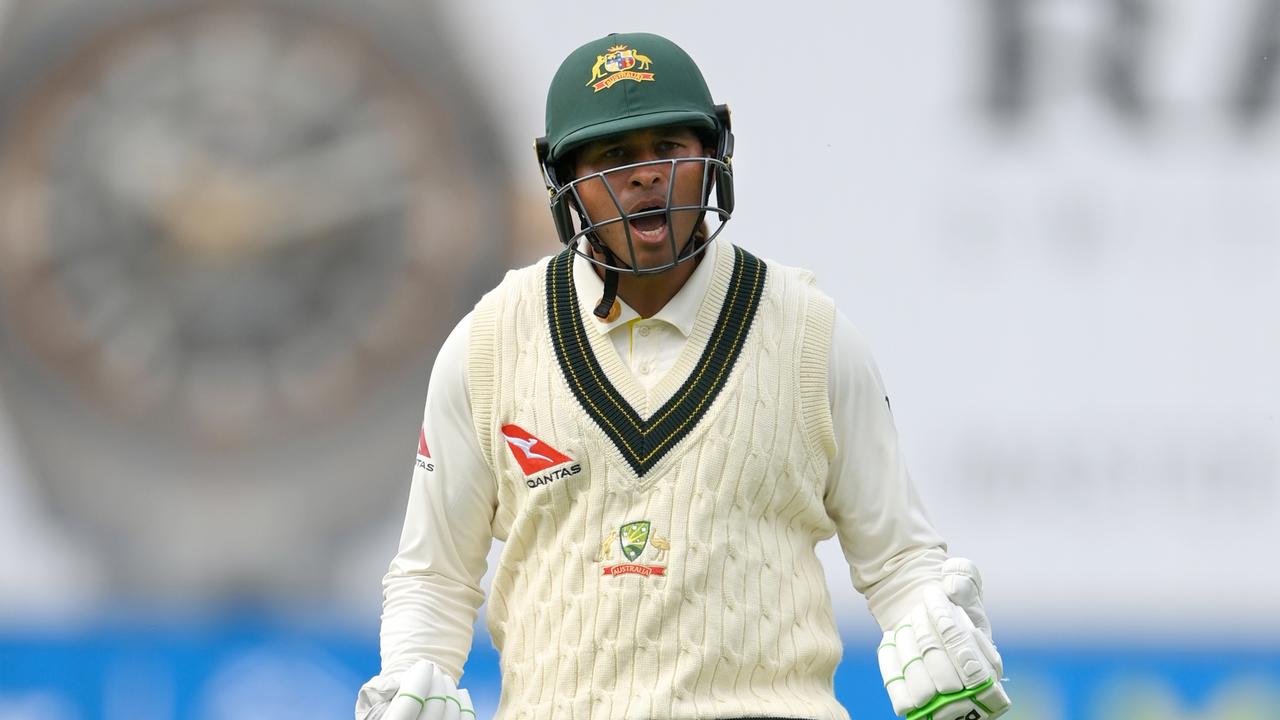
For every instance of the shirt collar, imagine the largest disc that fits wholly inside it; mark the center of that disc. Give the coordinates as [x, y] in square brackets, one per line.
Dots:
[680, 311]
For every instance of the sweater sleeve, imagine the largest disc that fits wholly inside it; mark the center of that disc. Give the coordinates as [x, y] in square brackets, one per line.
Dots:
[892, 548]
[431, 593]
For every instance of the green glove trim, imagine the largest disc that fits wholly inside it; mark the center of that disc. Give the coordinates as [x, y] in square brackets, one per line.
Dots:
[926, 712]
[423, 701]
[411, 696]
[903, 676]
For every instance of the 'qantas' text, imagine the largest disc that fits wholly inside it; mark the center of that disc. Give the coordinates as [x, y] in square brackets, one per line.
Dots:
[554, 475]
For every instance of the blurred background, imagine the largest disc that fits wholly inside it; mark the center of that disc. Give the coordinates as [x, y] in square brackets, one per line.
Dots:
[233, 234]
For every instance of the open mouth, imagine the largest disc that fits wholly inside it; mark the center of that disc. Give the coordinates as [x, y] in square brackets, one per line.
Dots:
[650, 227]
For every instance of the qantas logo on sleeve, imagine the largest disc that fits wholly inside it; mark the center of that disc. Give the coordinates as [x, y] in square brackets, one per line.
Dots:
[424, 455]
[536, 457]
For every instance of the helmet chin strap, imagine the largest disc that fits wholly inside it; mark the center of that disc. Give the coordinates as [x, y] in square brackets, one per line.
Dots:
[610, 295]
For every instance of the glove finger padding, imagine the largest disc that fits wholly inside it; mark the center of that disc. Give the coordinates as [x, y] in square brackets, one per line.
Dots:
[920, 687]
[415, 686]
[891, 671]
[442, 703]
[907, 678]
[957, 634]
[935, 658]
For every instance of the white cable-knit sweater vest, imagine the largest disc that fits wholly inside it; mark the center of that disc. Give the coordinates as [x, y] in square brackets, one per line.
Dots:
[659, 558]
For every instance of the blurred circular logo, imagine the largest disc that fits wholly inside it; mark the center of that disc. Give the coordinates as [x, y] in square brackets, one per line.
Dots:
[224, 220]
[231, 237]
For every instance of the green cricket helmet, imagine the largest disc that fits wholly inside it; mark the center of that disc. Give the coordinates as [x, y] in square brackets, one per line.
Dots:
[614, 85]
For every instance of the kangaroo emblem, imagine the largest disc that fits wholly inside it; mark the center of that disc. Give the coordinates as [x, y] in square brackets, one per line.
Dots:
[526, 446]
[617, 59]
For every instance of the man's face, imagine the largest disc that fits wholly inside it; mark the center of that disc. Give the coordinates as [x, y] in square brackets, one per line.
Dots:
[642, 188]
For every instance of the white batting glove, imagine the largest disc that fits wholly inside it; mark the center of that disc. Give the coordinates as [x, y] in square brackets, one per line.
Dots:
[939, 663]
[425, 693]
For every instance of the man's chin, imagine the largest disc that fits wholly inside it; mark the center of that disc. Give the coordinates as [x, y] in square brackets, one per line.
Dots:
[655, 261]
[651, 254]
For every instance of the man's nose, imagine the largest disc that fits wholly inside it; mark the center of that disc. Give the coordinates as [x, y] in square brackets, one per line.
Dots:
[651, 174]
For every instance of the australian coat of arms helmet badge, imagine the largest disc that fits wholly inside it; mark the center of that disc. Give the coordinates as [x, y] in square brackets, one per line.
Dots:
[616, 65]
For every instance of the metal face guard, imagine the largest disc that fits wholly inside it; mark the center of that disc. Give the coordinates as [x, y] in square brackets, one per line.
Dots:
[566, 196]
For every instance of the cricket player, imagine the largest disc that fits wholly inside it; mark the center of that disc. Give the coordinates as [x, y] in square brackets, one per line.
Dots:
[660, 427]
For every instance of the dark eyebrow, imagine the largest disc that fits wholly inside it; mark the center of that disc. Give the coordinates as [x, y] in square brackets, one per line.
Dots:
[602, 145]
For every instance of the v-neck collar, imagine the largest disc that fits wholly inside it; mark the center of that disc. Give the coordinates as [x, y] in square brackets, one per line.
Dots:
[610, 395]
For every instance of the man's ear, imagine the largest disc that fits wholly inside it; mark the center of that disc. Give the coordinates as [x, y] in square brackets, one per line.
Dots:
[569, 166]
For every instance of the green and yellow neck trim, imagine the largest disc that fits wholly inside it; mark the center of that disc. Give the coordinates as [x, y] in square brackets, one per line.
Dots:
[643, 442]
